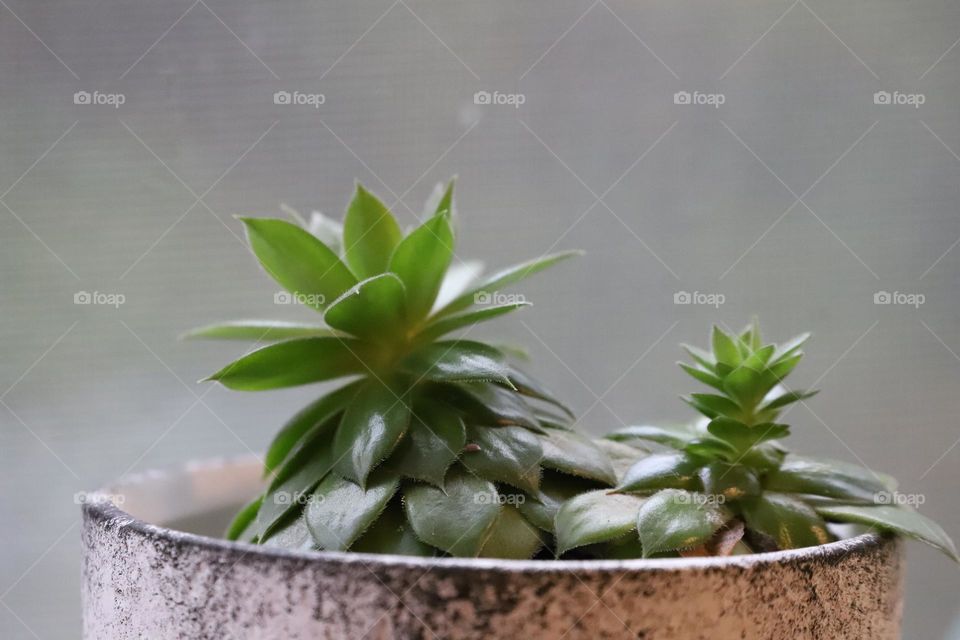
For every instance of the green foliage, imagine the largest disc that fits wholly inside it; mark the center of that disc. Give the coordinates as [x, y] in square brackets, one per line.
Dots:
[730, 473]
[437, 445]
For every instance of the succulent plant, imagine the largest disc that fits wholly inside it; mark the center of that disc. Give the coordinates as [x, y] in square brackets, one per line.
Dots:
[435, 445]
[726, 485]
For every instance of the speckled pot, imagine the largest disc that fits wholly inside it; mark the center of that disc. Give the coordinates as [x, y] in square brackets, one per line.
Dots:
[142, 580]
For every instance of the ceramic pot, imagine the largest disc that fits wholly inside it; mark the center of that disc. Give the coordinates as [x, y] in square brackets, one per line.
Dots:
[144, 578]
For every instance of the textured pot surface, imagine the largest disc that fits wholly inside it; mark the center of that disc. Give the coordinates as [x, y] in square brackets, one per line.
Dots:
[141, 580]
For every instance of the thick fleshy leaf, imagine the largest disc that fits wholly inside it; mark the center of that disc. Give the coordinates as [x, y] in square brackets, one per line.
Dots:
[421, 260]
[240, 527]
[436, 438]
[370, 234]
[505, 278]
[732, 481]
[572, 453]
[298, 261]
[372, 425]
[295, 362]
[786, 398]
[833, 479]
[675, 519]
[260, 331]
[743, 437]
[296, 479]
[595, 516]
[310, 417]
[458, 361]
[445, 205]
[339, 511]
[748, 386]
[782, 368]
[703, 358]
[622, 455]
[789, 521]
[457, 520]
[675, 436]
[447, 324]
[555, 489]
[895, 520]
[291, 534]
[529, 386]
[504, 454]
[391, 533]
[790, 347]
[486, 401]
[662, 471]
[511, 537]
[704, 376]
[712, 405]
[374, 309]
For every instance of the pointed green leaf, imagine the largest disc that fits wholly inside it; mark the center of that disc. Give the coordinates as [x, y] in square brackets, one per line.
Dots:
[675, 436]
[374, 309]
[789, 521]
[724, 348]
[240, 527]
[436, 438]
[895, 520]
[298, 261]
[529, 386]
[786, 398]
[703, 358]
[505, 278]
[370, 234]
[829, 478]
[259, 331]
[310, 417]
[511, 537]
[491, 403]
[662, 471]
[391, 533]
[457, 520]
[704, 376]
[555, 489]
[446, 202]
[450, 323]
[782, 368]
[572, 453]
[505, 454]
[291, 534]
[676, 519]
[458, 361]
[421, 260]
[712, 405]
[294, 362]
[373, 424]
[790, 347]
[595, 516]
[743, 437]
[339, 511]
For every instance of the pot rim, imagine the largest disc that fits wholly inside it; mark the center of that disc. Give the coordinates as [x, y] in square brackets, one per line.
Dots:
[98, 508]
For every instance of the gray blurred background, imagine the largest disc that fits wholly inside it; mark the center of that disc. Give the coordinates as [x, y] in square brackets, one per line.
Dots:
[797, 199]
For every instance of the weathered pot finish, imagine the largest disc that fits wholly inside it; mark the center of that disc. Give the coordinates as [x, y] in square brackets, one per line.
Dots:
[146, 581]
